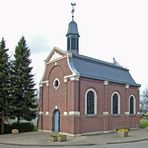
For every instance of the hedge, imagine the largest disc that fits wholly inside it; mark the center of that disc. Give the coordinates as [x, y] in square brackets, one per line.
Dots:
[22, 127]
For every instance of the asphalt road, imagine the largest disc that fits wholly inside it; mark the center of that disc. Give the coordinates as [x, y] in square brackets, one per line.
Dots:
[142, 144]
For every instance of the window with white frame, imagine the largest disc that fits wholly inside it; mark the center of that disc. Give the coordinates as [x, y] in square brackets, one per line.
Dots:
[56, 83]
[132, 105]
[90, 102]
[115, 103]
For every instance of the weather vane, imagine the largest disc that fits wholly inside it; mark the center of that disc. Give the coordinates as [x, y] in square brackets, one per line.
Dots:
[73, 10]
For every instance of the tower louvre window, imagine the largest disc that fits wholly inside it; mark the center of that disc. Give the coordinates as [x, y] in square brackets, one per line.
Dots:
[73, 43]
[68, 43]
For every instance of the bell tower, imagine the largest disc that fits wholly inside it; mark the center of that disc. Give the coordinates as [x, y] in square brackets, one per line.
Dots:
[72, 34]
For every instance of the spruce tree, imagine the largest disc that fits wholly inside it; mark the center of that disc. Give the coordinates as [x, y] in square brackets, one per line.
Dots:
[24, 103]
[4, 84]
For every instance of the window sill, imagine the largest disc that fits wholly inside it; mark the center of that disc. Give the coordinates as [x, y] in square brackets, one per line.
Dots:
[90, 115]
[116, 115]
[132, 115]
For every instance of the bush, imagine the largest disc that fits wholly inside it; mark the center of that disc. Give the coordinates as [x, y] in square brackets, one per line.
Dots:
[62, 138]
[7, 129]
[55, 136]
[23, 127]
[143, 123]
[122, 130]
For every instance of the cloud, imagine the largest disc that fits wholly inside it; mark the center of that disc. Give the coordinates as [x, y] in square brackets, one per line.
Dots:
[38, 44]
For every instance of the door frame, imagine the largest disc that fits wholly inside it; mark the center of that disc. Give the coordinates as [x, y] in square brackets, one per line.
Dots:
[53, 120]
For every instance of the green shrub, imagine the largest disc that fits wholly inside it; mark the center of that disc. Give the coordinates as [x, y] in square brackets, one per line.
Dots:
[23, 126]
[143, 123]
[62, 138]
[55, 136]
[7, 129]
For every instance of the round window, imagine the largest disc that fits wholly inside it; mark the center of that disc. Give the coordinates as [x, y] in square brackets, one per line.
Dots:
[56, 83]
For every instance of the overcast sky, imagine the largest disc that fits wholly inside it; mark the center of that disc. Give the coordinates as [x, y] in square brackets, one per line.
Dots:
[107, 28]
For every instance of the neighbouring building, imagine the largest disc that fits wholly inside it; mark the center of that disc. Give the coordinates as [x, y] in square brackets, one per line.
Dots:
[80, 94]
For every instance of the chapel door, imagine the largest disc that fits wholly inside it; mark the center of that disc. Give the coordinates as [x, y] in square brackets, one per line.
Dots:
[56, 121]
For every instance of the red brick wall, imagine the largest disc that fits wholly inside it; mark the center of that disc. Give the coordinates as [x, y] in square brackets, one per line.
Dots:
[102, 122]
[51, 97]
[70, 96]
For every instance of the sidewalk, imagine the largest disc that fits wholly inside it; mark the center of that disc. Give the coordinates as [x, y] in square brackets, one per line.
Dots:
[42, 139]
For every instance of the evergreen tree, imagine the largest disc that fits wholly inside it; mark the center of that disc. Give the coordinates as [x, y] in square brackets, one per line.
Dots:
[24, 103]
[4, 84]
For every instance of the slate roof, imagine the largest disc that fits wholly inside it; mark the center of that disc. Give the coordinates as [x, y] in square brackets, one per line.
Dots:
[72, 28]
[97, 69]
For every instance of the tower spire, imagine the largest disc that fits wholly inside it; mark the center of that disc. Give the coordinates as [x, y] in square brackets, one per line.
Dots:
[72, 34]
[73, 10]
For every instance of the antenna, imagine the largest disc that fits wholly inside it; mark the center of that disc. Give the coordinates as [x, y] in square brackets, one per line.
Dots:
[73, 10]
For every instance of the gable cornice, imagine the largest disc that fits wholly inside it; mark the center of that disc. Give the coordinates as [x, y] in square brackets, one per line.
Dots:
[55, 50]
[71, 66]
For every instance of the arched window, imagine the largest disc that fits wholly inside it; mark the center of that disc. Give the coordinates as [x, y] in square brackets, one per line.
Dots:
[132, 105]
[115, 103]
[90, 102]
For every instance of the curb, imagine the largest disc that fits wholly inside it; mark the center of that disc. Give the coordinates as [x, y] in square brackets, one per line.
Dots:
[66, 145]
[50, 145]
[130, 141]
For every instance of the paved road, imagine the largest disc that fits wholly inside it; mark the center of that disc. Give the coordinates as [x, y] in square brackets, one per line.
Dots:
[142, 144]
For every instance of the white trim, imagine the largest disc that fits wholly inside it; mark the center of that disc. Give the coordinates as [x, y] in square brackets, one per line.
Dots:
[44, 83]
[127, 86]
[55, 64]
[126, 113]
[67, 77]
[65, 80]
[75, 113]
[73, 70]
[100, 132]
[106, 82]
[54, 54]
[47, 113]
[134, 104]
[105, 113]
[65, 113]
[41, 113]
[43, 72]
[56, 60]
[72, 78]
[71, 135]
[95, 101]
[119, 102]
[40, 85]
[69, 54]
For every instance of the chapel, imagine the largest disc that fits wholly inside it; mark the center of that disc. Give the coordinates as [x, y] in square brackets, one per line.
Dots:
[81, 94]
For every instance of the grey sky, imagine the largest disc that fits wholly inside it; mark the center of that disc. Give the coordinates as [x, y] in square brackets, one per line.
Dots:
[107, 28]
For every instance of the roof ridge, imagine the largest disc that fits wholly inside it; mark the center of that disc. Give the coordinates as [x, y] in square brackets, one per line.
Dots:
[100, 61]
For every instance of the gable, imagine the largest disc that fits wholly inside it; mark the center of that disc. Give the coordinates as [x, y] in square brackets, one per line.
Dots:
[55, 54]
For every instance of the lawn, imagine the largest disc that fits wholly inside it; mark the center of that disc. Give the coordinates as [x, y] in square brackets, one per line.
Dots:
[143, 123]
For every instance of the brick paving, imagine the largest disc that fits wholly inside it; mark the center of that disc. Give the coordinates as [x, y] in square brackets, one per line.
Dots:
[42, 138]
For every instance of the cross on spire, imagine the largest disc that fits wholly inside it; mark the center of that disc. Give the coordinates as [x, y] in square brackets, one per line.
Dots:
[73, 10]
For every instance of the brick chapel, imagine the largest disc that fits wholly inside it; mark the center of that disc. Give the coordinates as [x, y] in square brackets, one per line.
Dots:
[80, 94]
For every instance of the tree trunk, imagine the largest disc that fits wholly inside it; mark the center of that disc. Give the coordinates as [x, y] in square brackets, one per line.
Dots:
[2, 125]
[18, 120]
